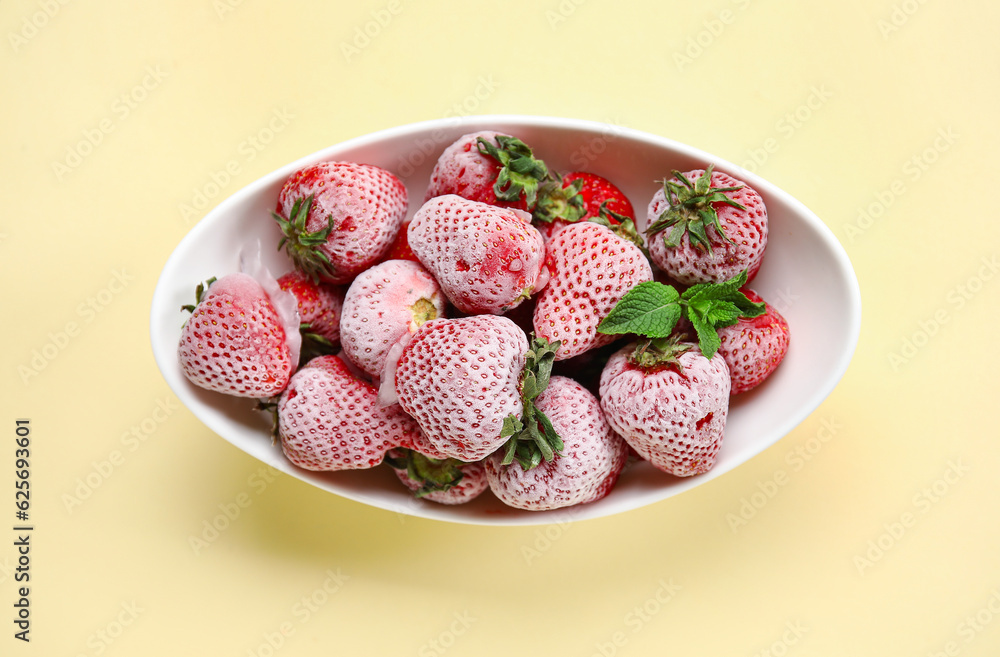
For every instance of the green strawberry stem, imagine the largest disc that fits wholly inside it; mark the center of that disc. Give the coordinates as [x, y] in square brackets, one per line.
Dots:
[691, 210]
[621, 226]
[313, 345]
[653, 309]
[301, 245]
[519, 173]
[271, 406]
[651, 353]
[199, 294]
[558, 202]
[532, 438]
[433, 475]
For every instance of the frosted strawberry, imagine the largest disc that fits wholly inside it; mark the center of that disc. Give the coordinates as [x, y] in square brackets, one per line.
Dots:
[441, 480]
[669, 402]
[587, 467]
[489, 167]
[400, 247]
[339, 218]
[706, 227]
[591, 268]
[459, 379]
[319, 307]
[384, 303]
[241, 339]
[754, 346]
[328, 419]
[486, 259]
[579, 196]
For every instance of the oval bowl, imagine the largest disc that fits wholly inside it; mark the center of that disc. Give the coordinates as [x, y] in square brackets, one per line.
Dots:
[805, 274]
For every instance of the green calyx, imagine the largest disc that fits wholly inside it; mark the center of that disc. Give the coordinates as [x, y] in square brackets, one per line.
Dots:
[301, 245]
[313, 344]
[532, 438]
[199, 294]
[621, 226]
[519, 173]
[652, 353]
[691, 210]
[653, 309]
[556, 202]
[433, 475]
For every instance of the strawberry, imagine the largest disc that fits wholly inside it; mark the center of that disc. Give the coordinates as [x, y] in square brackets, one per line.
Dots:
[579, 196]
[339, 218]
[319, 307]
[384, 303]
[489, 167]
[669, 402]
[400, 248]
[592, 455]
[754, 346]
[445, 481]
[486, 259]
[241, 339]
[328, 419]
[459, 379]
[591, 268]
[706, 227]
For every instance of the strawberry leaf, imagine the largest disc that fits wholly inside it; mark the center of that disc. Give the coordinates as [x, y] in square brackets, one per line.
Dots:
[532, 438]
[301, 245]
[650, 309]
[558, 202]
[691, 210]
[433, 475]
[519, 173]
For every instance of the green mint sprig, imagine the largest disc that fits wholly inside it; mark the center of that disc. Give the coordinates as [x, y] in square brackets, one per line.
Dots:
[653, 309]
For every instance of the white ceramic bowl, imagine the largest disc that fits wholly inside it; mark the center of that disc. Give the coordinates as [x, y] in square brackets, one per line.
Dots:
[806, 274]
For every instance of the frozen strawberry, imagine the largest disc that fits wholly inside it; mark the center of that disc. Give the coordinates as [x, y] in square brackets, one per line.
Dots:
[753, 347]
[339, 218]
[587, 467]
[384, 303]
[489, 167]
[579, 196]
[241, 338]
[400, 248]
[486, 259]
[328, 419]
[590, 270]
[706, 227]
[669, 403]
[445, 481]
[459, 379]
[319, 307]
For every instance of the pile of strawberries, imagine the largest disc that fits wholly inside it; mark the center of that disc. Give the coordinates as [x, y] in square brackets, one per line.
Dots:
[517, 333]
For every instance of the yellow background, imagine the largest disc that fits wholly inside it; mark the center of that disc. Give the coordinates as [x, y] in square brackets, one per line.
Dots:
[886, 541]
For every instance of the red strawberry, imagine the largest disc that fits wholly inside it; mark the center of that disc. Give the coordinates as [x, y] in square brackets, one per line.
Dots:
[328, 419]
[754, 346]
[339, 218]
[670, 407]
[592, 455]
[489, 167]
[319, 305]
[459, 379]
[384, 303]
[591, 268]
[240, 339]
[486, 259]
[400, 248]
[712, 227]
[445, 481]
[579, 196]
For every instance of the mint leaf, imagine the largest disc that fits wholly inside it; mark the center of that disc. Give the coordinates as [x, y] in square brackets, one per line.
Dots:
[708, 337]
[650, 309]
